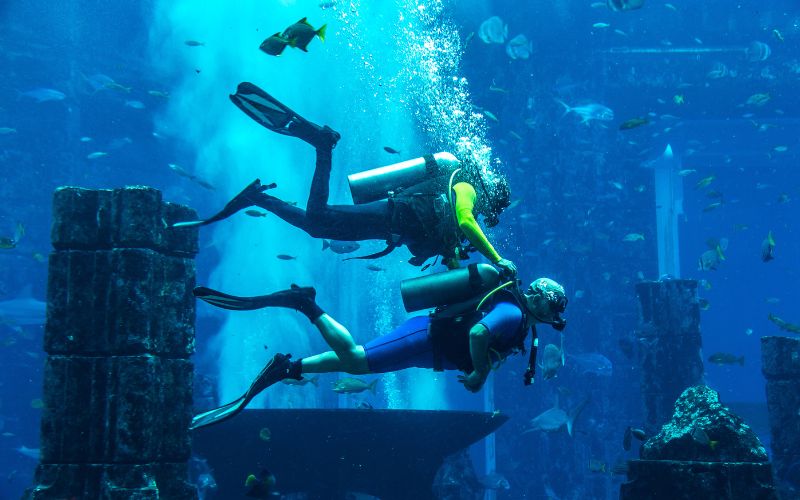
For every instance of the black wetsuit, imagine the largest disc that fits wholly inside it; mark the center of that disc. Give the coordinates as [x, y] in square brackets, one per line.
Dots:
[426, 230]
[368, 221]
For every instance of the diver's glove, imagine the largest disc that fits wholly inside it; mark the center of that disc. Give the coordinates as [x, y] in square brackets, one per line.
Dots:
[507, 268]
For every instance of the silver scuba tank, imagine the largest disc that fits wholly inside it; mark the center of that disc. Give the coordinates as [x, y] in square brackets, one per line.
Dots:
[376, 184]
[448, 287]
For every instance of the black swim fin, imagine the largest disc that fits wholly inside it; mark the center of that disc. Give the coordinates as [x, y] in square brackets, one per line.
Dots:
[276, 116]
[247, 198]
[277, 369]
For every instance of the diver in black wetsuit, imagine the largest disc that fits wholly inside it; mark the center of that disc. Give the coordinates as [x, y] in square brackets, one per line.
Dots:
[423, 216]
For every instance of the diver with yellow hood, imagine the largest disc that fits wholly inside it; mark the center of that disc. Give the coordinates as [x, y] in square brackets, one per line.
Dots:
[428, 204]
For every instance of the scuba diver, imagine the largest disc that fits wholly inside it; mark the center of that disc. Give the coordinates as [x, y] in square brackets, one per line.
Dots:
[428, 204]
[477, 322]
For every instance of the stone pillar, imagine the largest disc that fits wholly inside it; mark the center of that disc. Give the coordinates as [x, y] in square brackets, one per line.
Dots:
[119, 333]
[669, 345]
[780, 363]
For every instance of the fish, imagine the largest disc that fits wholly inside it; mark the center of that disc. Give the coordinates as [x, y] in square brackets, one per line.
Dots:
[133, 104]
[303, 381]
[624, 5]
[7, 243]
[758, 99]
[260, 486]
[784, 325]
[784, 198]
[158, 93]
[710, 259]
[718, 71]
[493, 30]
[686, 171]
[375, 267]
[555, 419]
[23, 310]
[700, 437]
[495, 481]
[33, 453]
[777, 34]
[724, 358]
[596, 465]
[780, 149]
[705, 284]
[589, 112]
[255, 213]
[96, 155]
[712, 206]
[704, 182]
[265, 434]
[37, 404]
[352, 385]
[519, 47]
[340, 247]
[495, 88]
[391, 150]
[633, 237]
[283, 256]
[704, 304]
[7, 131]
[274, 45]
[44, 95]
[327, 4]
[768, 248]
[39, 257]
[748, 331]
[592, 362]
[552, 360]
[679, 99]
[300, 34]
[601, 25]
[671, 7]
[180, 170]
[194, 43]
[633, 123]
[86, 139]
[639, 434]
[632, 432]
[490, 115]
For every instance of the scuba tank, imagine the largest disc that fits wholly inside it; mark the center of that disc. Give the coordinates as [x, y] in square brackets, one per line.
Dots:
[378, 183]
[448, 287]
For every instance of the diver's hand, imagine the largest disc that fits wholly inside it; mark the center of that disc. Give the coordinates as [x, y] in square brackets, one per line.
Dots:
[472, 382]
[507, 268]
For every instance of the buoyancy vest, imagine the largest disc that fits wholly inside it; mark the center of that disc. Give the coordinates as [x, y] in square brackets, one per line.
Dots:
[449, 329]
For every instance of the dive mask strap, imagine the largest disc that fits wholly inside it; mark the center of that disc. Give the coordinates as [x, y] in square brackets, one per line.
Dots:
[530, 371]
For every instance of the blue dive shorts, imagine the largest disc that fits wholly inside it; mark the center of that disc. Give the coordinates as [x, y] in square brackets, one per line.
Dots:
[407, 346]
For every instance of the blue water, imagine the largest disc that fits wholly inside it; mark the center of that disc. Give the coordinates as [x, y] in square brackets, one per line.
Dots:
[382, 79]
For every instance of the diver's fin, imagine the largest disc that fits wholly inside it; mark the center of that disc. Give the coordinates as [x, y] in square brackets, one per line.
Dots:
[264, 109]
[277, 369]
[246, 198]
[231, 302]
[276, 116]
[386, 251]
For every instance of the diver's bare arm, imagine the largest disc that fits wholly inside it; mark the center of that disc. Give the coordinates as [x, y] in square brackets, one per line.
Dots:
[479, 349]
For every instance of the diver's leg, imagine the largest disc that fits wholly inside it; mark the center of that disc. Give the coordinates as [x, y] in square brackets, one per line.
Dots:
[349, 357]
[320, 183]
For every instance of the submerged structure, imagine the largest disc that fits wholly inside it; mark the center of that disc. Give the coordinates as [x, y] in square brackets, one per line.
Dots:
[704, 451]
[330, 454]
[119, 333]
[780, 363]
[669, 344]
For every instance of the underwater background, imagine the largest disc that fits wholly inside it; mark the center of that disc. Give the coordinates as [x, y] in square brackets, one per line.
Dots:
[106, 94]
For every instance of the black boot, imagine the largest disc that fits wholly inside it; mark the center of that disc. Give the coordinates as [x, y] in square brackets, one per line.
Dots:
[301, 299]
[324, 138]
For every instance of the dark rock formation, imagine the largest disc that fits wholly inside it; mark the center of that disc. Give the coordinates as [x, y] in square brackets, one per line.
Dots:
[119, 333]
[780, 361]
[669, 344]
[704, 451]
